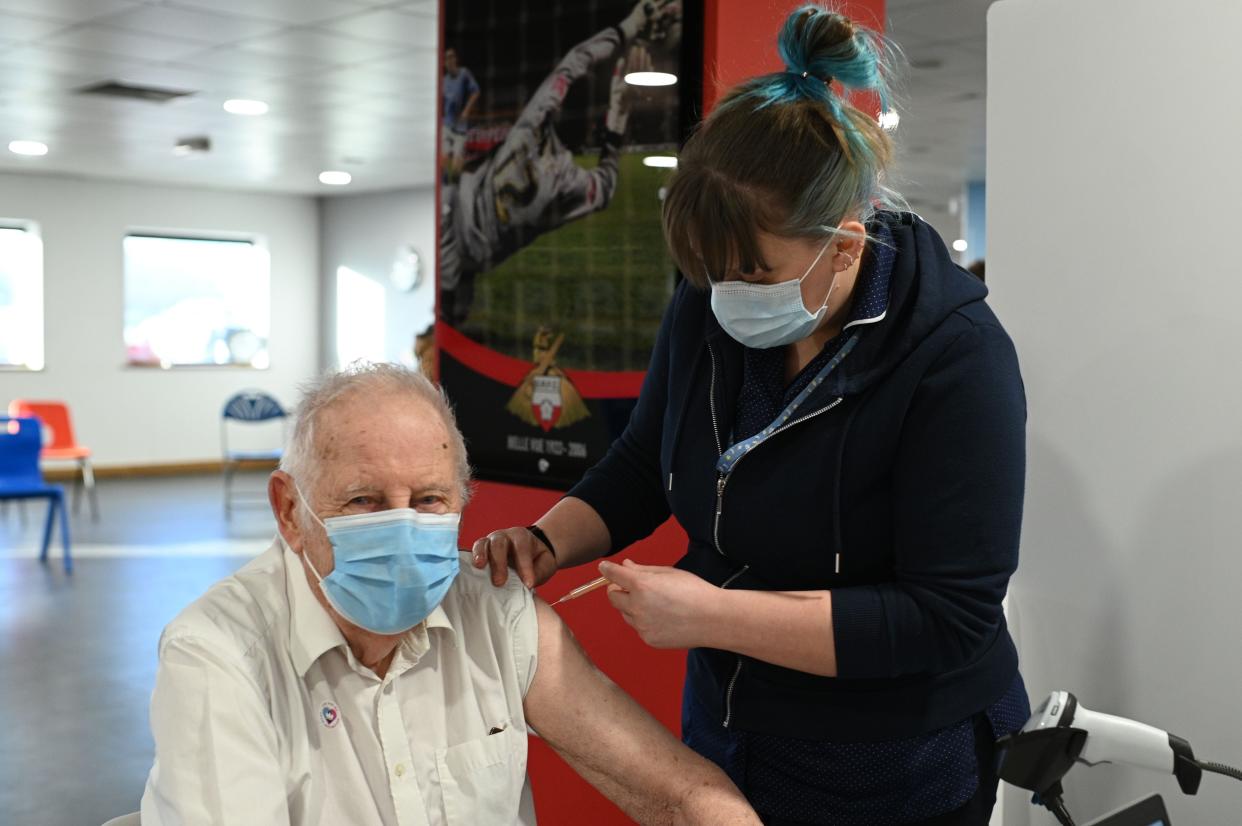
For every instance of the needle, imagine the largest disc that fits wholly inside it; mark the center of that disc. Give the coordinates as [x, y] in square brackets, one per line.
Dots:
[583, 589]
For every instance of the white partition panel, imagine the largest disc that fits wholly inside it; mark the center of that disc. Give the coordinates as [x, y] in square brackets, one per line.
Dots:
[1114, 173]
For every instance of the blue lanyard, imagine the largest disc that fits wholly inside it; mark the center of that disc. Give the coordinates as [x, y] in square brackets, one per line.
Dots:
[735, 452]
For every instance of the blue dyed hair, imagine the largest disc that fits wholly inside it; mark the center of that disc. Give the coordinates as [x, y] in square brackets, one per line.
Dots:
[785, 153]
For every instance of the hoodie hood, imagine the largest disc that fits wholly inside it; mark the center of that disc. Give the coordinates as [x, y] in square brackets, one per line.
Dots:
[925, 288]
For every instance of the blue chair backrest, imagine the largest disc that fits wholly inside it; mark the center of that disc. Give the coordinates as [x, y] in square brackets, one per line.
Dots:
[20, 443]
[253, 406]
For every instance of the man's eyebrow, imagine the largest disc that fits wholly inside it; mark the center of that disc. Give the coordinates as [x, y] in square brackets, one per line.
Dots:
[355, 489]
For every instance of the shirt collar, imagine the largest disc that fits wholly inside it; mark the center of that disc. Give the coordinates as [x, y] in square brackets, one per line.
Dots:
[312, 630]
[871, 300]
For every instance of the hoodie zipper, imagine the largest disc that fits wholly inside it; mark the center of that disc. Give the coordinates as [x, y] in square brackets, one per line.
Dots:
[722, 479]
[738, 669]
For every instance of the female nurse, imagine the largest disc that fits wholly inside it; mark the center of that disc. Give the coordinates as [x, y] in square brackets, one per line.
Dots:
[836, 418]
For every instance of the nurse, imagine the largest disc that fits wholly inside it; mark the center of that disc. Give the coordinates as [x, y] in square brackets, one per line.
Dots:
[836, 418]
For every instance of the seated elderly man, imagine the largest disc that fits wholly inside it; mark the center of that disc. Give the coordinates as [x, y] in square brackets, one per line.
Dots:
[357, 673]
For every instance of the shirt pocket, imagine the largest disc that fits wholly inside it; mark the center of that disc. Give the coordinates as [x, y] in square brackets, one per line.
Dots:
[481, 780]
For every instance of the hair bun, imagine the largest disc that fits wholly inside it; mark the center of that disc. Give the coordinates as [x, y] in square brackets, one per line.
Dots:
[819, 46]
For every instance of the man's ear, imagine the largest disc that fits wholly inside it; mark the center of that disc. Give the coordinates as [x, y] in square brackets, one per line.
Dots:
[285, 502]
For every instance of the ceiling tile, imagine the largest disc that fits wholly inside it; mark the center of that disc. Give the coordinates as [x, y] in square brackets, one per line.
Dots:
[96, 38]
[253, 64]
[370, 83]
[417, 64]
[67, 61]
[22, 81]
[73, 11]
[326, 47]
[191, 24]
[427, 8]
[20, 27]
[286, 11]
[939, 21]
[391, 26]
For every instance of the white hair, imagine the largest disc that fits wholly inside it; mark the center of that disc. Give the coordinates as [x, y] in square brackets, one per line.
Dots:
[360, 377]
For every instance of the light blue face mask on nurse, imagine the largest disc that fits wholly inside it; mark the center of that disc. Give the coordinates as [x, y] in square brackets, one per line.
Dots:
[768, 315]
[392, 568]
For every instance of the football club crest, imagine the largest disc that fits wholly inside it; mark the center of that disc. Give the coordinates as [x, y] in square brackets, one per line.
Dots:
[546, 402]
[546, 397]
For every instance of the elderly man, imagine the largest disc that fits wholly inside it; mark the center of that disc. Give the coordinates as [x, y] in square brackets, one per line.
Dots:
[357, 673]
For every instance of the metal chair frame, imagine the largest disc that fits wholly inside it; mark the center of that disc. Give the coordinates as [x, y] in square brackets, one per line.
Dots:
[249, 406]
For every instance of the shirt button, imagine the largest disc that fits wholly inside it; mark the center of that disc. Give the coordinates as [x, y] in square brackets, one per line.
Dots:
[400, 770]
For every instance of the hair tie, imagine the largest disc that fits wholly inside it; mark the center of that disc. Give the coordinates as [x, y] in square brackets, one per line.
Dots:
[804, 75]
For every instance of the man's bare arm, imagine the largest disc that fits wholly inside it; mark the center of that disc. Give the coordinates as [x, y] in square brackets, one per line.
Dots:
[617, 746]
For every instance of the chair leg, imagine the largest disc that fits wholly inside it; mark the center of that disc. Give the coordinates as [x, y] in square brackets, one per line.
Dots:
[228, 490]
[77, 493]
[88, 478]
[64, 537]
[47, 528]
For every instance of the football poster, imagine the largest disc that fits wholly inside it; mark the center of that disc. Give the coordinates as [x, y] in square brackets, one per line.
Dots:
[555, 149]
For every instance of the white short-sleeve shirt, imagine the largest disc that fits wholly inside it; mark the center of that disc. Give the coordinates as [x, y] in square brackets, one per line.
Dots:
[262, 714]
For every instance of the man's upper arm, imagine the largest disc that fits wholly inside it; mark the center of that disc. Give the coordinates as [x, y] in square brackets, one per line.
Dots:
[215, 743]
[600, 730]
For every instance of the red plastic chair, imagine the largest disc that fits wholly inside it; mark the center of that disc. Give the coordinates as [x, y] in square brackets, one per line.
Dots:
[62, 446]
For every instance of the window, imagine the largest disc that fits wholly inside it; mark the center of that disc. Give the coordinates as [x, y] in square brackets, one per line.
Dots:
[196, 301]
[21, 296]
[360, 328]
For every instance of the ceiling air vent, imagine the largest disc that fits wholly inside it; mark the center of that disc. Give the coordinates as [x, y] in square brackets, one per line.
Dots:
[153, 94]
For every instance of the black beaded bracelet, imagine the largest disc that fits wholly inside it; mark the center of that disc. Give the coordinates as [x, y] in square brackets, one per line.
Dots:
[538, 533]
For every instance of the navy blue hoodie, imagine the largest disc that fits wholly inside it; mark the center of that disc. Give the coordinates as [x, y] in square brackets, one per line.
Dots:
[898, 487]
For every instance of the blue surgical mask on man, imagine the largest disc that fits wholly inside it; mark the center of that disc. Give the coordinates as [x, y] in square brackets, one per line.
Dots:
[391, 568]
[768, 315]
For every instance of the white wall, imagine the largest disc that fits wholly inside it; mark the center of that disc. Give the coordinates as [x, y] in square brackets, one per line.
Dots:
[1113, 173]
[140, 415]
[364, 232]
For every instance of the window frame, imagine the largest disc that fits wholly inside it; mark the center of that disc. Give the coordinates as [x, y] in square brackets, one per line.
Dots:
[34, 229]
[254, 239]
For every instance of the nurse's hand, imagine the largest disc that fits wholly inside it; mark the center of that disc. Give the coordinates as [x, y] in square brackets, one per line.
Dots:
[515, 547]
[668, 607]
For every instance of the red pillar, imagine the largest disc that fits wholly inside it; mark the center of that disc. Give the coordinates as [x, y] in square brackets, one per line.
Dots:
[739, 38]
[739, 42]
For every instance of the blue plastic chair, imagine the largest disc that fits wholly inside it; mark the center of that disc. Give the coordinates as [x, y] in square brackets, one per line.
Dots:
[246, 407]
[21, 439]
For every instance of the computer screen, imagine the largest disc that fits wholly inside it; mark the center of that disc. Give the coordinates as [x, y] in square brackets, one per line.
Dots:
[1149, 811]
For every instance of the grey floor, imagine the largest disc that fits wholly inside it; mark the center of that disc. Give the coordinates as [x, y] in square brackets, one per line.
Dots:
[78, 652]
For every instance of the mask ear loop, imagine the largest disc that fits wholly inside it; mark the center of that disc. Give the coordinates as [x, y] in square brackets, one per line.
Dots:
[315, 516]
[832, 286]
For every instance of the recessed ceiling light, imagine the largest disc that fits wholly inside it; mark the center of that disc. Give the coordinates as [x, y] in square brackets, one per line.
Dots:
[889, 119]
[32, 148]
[960, 245]
[334, 177]
[650, 79]
[660, 161]
[239, 106]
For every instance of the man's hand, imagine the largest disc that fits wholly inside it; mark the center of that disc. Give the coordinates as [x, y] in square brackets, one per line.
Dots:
[669, 608]
[518, 547]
